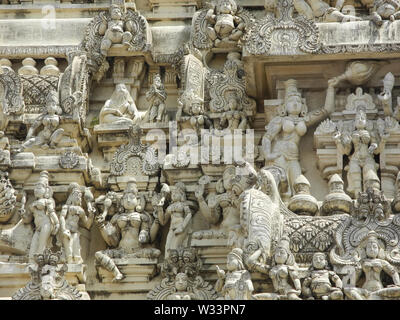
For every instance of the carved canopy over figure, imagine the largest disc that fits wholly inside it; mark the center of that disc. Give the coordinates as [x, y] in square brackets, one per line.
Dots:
[373, 261]
[283, 133]
[47, 280]
[120, 108]
[130, 231]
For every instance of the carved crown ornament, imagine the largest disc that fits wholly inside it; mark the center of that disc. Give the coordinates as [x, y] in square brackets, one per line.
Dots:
[282, 34]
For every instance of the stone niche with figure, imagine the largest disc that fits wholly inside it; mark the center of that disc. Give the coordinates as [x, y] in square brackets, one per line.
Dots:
[176, 150]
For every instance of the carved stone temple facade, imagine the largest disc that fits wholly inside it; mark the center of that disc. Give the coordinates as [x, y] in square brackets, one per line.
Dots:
[192, 149]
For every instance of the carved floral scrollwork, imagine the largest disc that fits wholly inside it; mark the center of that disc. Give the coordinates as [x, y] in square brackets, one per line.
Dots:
[47, 280]
[147, 155]
[181, 278]
[12, 101]
[283, 34]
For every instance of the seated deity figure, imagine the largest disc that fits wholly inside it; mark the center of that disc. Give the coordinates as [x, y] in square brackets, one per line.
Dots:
[42, 212]
[120, 108]
[128, 231]
[45, 131]
[226, 26]
[157, 96]
[372, 265]
[280, 144]
[115, 30]
[71, 214]
[236, 284]
[319, 284]
[181, 288]
[385, 9]
[360, 146]
[180, 214]
[323, 11]
[283, 272]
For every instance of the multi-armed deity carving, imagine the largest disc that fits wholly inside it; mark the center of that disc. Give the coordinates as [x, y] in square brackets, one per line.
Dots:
[283, 133]
[47, 280]
[221, 26]
[181, 278]
[129, 232]
[71, 215]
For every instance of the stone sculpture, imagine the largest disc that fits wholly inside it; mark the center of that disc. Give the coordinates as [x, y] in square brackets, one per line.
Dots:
[156, 96]
[47, 280]
[283, 272]
[181, 278]
[236, 283]
[45, 131]
[322, 283]
[283, 133]
[128, 231]
[366, 145]
[337, 201]
[372, 265]
[385, 9]
[120, 108]
[303, 202]
[180, 215]
[319, 9]
[71, 214]
[42, 212]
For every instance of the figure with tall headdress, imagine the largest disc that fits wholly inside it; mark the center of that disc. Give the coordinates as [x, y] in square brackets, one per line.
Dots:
[42, 212]
[283, 133]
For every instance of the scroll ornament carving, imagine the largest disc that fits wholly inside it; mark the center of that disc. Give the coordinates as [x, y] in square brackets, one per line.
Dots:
[69, 160]
[147, 154]
[47, 280]
[282, 33]
[12, 101]
[181, 278]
